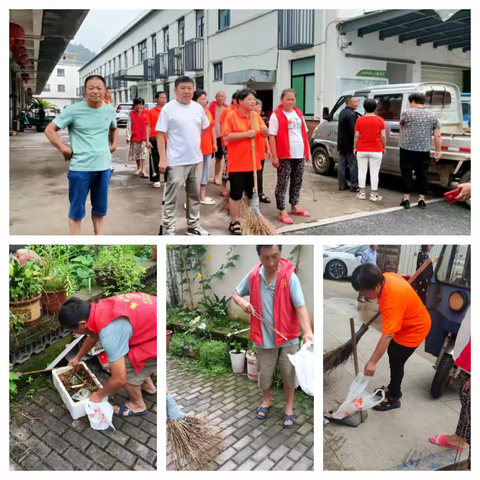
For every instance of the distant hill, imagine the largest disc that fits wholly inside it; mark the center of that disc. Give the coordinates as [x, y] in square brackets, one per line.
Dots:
[83, 54]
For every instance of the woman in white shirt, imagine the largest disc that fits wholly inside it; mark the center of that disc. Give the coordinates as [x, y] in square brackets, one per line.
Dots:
[290, 149]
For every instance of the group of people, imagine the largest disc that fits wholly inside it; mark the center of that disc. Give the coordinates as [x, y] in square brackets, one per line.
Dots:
[362, 144]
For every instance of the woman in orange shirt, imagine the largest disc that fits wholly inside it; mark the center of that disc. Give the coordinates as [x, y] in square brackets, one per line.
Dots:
[208, 146]
[405, 324]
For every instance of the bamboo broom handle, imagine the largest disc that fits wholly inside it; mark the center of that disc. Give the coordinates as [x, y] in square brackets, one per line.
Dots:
[410, 281]
[252, 116]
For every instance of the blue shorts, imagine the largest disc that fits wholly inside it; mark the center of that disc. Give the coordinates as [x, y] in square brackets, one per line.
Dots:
[79, 184]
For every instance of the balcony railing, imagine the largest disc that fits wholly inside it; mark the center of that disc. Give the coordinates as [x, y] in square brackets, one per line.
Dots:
[176, 65]
[161, 65]
[194, 55]
[120, 81]
[149, 70]
[296, 29]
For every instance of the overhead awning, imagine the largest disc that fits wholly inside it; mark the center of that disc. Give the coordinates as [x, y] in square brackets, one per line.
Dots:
[424, 26]
[244, 77]
[128, 77]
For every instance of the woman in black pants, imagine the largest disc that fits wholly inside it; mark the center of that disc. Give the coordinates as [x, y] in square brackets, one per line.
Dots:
[405, 324]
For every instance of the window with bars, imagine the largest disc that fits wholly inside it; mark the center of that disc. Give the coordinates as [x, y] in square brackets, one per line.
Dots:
[166, 39]
[60, 72]
[217, 72]
[181, 32]
[61, 88]
[200, 23]
[223, 19]
[303, 81]
[142, 51]
[154, 45]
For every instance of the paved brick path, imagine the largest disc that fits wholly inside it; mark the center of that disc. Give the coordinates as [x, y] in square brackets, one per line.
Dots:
[230, 401]
[53, 441]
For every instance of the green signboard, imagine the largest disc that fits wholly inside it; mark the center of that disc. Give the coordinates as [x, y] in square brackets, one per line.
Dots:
[372, 73]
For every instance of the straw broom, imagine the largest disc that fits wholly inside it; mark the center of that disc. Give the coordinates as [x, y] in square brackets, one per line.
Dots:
[255, 223]
[338, 356]
[194, 443]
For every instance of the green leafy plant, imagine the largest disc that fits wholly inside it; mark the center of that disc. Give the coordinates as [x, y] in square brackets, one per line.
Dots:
[251, 347]
[216, 309]
[81, 272]
[184, 345]
[214, 356]
[13, 377]
[26, 281]
[237, 346]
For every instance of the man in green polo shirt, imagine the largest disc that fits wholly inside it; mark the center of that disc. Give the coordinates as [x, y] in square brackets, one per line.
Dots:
[92, 128]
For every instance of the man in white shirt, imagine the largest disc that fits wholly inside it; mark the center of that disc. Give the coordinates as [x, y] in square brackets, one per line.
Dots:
[183, 122]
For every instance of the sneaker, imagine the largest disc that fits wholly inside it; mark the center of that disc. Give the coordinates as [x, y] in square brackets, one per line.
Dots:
[422, 204]
[156, 185]
[355, 189]
[375, 197]
[361, 196]
[405, 204]
[170, 233]
[197, 231]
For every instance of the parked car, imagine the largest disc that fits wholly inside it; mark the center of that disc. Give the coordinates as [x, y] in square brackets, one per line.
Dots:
[340, 262]
[123, 111]
[443, 98]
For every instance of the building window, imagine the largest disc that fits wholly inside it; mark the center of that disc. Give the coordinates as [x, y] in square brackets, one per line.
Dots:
[119, 63]
[200, 23]
[61, 88]
[199, 83]
[223, 19]
[303, 82]
[154, 45]
[60, 72]
[133, 56]
[166, 40]
[46, 88]
[181, 32]
[217, 72]
[125, 59]
[142, 51]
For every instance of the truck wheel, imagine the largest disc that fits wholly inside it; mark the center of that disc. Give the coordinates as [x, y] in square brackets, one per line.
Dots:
[442, 376]
[322, 163]
[335, 270]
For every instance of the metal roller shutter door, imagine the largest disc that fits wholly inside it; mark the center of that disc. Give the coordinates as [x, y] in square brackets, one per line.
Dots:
[439, 74]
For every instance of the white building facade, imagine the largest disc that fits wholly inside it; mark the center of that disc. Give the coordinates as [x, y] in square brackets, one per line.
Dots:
[319, 53]
[61, 88]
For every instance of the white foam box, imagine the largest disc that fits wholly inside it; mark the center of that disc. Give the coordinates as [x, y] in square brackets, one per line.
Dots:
[76, 409]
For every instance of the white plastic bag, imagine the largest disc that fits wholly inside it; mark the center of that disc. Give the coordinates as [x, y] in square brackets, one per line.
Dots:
[357, 399]
[304, 361]
[100, 415]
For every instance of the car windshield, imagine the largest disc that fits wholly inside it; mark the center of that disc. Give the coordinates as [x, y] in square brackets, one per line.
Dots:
[454, 265]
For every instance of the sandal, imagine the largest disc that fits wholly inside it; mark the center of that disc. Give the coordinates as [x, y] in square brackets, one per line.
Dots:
[207, 201]
[286, 219]
[124, 409]
[263, 410]
[441, 441]
[289, 417]
[235, 228]
[389, 403]
[264, 199]
[301, 213]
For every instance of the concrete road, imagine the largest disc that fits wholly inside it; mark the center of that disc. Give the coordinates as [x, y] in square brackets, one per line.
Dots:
[393, 440]
[39, 199]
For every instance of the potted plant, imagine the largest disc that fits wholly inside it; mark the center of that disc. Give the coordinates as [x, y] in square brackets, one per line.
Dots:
[56, 284]
[252, 371]
[26, 283]
[237, 357]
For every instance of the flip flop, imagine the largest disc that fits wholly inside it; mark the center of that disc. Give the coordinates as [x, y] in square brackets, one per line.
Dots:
[124, 408]
[441, 441]
[264, 410]
[207, 201]
[285, 219]
[301, 213]
[289, 417]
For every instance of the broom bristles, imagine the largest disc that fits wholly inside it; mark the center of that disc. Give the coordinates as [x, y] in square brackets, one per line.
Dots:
[257, 225]
[224, 206]
[193, 442]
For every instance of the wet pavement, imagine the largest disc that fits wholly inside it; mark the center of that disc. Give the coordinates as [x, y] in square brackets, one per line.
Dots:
[39, 200]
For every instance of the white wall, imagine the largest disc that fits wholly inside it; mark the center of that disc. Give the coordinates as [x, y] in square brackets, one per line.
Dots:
[248, 259]
[70, 80]
[407, 264]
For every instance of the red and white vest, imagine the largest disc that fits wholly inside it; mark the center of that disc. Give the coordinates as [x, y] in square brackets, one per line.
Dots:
[284, 312]
[141, 311]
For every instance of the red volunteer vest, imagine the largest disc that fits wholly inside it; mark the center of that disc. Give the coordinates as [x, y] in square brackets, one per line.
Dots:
[213, 107]
[284, 313]
[464, 359]
[141, 310]
[283, 142]
[139, 123]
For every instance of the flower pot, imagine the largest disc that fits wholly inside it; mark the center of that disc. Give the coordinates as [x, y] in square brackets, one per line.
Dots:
[154, 254]
[169, 337]
[28, 311]
[52, 301]
[252, 371]
[238, 360]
